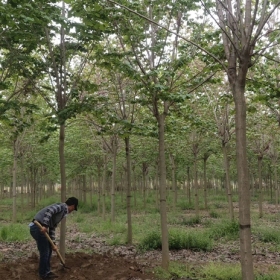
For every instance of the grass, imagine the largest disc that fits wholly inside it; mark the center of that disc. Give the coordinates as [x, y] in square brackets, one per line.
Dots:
[201, 233]
[14, 232]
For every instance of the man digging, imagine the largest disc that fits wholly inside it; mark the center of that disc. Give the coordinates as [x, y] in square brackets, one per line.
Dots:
[49, 217]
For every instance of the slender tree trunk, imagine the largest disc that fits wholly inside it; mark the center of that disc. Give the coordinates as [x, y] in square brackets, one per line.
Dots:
[128, 191]
[189, 185]
[276, 186]
[227, 179]
[174, 186]
[15, 150]
[104, 188]
[144, 171]
[99, 194]
[162, 189]
[84, 192]
[243, 183]
[91, 190]
[205, 183]
[196, 194]
[63, 186]
[260, 187]
[113, 194]
[134, 187]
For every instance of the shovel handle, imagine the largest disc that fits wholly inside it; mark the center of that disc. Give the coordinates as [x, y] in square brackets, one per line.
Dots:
[48, 237]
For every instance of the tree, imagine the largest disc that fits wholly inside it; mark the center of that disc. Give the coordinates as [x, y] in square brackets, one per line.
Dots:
[162, 76]
[243, 27]
[223, 112]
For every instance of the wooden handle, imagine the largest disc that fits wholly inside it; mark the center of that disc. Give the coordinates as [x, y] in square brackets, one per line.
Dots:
[48, 237]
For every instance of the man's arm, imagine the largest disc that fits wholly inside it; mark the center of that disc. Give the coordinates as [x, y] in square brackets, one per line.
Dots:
[52, 233]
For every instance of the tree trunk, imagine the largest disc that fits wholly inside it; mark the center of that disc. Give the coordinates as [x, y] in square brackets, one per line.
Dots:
[84, 192]
[99, 189]
[243, 182]
[63, 186]
[227, 179]
[276, 186]
[114, 148]
[205, 183]
[260, 187]
[196, 195]
[15, 150]
[162, 189]
[189, 185]
[104, 188]
[144, 188]
[128, 191]
[174, 185]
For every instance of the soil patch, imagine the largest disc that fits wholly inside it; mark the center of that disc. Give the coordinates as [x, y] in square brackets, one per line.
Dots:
[82, 266]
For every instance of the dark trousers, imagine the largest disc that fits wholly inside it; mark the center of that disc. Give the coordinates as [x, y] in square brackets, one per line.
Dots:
[44, 248]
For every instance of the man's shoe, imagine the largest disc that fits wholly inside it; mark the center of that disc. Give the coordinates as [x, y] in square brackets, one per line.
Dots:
[50, 275]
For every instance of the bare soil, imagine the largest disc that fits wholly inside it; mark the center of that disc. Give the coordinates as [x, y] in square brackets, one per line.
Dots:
[81, 266]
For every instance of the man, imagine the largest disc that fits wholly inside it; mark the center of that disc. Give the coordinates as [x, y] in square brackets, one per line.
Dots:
[49, 217]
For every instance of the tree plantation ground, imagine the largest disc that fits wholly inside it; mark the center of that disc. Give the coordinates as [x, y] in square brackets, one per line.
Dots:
[20, 260]
[100, 253]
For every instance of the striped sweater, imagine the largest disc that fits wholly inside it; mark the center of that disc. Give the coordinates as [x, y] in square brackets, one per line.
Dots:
[51, 216]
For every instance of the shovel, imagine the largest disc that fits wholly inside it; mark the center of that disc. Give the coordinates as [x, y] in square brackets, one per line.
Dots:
[52, 244]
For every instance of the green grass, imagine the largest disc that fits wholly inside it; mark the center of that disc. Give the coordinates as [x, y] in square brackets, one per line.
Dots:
[229, 230]
[268, 234]
[217, 271]
[178, 239]
[14, 232]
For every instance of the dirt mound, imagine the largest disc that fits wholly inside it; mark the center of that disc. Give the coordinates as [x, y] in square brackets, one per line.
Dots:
[81, 267]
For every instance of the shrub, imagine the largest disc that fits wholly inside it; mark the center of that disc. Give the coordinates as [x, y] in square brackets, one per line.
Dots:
[151, 241]
[196, 241]
[4, 233]
[184, 205]
[14, 232]
[214, 271]
[227, 229]
[175, 271]
[191, 221]
[269, 235]
[178, 239]
[214, 214]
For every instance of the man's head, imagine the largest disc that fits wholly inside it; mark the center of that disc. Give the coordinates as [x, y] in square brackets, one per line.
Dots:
[72, 203]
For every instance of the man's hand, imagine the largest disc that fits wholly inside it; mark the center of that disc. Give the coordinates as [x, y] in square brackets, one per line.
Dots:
[54, 247]
[44, 230]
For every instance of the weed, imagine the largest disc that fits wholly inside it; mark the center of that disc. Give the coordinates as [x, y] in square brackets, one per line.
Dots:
[269, 235]
[227, 229]
[14, 232]
[214, 214]
[214, 271]
[191, 221]
[178, 239]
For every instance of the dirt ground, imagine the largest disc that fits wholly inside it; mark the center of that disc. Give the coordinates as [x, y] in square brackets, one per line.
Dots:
[82, 266]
